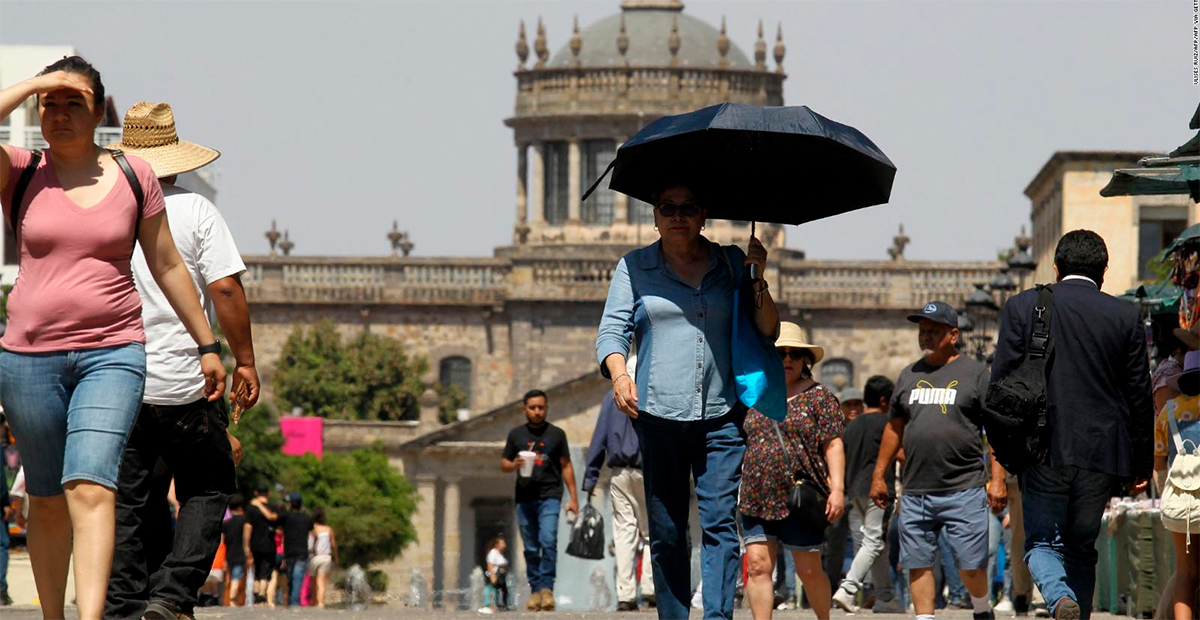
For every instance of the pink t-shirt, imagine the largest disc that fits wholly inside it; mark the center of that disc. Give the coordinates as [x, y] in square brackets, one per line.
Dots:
[75, 287]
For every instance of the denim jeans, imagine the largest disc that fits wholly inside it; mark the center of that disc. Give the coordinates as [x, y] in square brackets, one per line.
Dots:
[297, 567]
[1063, 506]
[4, 541]
[538, 523]
[190, 439]
[674, 452]
[71, 412]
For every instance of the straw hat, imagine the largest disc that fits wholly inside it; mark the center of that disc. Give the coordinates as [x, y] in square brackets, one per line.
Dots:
[149, 133]
[790, 335]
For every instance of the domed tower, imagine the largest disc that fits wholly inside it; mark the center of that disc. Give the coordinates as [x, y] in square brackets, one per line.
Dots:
[575, 108]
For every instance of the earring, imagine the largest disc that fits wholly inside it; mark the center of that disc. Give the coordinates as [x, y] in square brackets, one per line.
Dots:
[655, 229]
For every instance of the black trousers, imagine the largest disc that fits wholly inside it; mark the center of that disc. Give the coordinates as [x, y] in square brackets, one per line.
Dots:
[190, 440]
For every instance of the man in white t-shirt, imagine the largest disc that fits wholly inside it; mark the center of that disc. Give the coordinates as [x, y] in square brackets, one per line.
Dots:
[177, 424]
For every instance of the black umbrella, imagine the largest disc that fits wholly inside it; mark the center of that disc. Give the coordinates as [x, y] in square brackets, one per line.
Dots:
[785, 165]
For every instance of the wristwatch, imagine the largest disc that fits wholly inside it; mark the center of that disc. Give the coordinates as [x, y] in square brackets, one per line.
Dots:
[215, 347]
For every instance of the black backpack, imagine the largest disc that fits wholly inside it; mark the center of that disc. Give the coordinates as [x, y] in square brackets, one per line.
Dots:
[14, 213]
[1016, 408]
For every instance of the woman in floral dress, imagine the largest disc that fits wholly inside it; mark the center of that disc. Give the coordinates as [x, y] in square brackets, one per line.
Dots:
[810, 449]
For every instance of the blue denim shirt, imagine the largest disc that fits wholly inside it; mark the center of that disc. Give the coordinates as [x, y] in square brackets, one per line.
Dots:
[683, 334]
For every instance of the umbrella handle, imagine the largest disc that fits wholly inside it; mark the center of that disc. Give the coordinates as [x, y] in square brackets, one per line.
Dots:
[752, 269]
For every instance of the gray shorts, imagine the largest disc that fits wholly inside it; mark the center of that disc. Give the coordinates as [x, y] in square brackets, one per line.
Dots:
[963, 515]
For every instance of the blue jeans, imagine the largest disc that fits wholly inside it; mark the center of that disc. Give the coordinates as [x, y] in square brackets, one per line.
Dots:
[538, 523]
[673, 452]
[71, 412]
[4, 541]
[297, 567]
[1063, 506]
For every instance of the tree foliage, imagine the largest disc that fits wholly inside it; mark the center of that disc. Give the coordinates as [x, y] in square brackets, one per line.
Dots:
[367, 502]
[262, 461]
[369, 377]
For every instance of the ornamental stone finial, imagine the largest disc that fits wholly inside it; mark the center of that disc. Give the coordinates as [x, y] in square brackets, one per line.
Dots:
[723, 45]
[522, 47]
[576, 43]
[898, 244]
[760, 50]
[539, 46]
[673, 42]
[273, 237]
[286, 245]
[623, 42]
[780, 49]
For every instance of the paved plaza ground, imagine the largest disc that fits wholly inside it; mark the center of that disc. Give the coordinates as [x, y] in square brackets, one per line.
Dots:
[401, 613]
[22, 590]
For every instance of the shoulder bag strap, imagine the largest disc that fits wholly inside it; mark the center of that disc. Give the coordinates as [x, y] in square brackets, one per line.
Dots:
[783, 446]
[14, 213]
[1040, 344]
[136, 186]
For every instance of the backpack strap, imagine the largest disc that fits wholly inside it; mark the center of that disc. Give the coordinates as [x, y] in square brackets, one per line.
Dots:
[1043, 311]
[14, 213]
[1175, 435]
[135, 185]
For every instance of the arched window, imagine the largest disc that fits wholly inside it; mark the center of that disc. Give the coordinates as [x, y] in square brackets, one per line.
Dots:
[837, 373]
[456, 372]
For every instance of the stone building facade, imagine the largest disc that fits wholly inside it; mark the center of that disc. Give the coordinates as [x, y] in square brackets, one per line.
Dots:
[527, 316]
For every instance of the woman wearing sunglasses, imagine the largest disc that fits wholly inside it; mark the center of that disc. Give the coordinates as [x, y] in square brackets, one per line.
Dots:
[675, 299]
[806, 445]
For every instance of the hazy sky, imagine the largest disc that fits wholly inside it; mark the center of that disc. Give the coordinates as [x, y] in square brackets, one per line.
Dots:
[337, 117]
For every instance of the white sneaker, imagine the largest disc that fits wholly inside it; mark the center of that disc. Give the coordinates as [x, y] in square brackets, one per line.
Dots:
[1005, 606]
[845, 600]
[890, 606]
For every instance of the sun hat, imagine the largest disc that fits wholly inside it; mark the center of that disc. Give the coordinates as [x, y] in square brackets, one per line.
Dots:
[790, 335]
[149, 133]
[938, 312]
[1191, 371]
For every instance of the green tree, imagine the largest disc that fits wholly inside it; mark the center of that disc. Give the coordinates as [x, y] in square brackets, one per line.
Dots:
[370, 377]
[262, 460]
[367, 502]
[450, 400]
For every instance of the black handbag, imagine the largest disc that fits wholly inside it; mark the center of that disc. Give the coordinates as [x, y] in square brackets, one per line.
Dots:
[1016, 409]
[806, 501]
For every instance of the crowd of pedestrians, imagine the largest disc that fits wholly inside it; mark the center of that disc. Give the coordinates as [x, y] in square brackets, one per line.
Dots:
[114, 387]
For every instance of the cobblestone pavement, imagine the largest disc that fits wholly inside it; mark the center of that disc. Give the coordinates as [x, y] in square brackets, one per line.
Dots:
[26, 612]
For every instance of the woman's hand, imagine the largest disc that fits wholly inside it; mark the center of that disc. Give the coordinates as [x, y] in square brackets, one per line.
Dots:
[835, 506]
[625, 395]
[58, 80]
[757, 255]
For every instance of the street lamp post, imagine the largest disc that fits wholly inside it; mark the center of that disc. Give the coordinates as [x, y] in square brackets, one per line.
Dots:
[981, 305]
[1022, 262]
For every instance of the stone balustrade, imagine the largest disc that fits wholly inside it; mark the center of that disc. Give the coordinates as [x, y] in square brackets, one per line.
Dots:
[554, 91]
[801, 284]
[457, 281]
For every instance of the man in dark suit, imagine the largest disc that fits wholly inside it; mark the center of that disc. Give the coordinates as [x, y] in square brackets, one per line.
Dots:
[1101, 418]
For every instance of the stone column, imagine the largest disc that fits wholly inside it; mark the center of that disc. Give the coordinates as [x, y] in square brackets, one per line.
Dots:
[537, 183]
[574, 173]
[522, 189]
[425, 524]
[451, 537]
[621, 204]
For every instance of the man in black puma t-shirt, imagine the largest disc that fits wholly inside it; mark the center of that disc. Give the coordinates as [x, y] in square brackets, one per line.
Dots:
[539, 495]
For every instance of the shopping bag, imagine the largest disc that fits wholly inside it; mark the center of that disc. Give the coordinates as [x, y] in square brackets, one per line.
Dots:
[587, 536]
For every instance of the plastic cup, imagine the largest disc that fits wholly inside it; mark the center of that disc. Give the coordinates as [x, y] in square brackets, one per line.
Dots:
[527, 457]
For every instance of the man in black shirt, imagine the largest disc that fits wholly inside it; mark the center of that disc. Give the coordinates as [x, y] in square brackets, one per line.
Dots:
[262, 541]
[237, 544]
[538, 450]
[297, 526]
[936, 412]
[868, 522]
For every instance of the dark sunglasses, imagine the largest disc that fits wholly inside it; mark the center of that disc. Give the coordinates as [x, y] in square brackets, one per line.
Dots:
[795, 354]
[686, 209]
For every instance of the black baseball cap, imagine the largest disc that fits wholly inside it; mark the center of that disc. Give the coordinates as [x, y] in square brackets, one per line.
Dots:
[938, 311]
